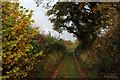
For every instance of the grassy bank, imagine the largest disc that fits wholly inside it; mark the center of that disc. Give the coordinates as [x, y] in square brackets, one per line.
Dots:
[89, 69]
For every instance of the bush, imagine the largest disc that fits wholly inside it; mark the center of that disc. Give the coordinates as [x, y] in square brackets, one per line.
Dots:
[107, 50]
[17, 60]
[54, 44]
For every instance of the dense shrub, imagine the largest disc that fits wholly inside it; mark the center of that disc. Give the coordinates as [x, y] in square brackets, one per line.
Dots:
[107, 50]
[107, 46]
[17, 60]
[54, 44]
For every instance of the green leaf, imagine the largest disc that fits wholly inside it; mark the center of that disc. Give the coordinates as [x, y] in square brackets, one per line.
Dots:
[8, 43]
[17, 68]
[4, 45]
[4, 55]
[26, 10]
[31, 11]
[21, 6]
[14, 44]
[7, 29]
[13, 32]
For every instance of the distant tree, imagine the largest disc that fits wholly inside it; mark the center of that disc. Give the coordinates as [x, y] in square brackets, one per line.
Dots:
[69, 45]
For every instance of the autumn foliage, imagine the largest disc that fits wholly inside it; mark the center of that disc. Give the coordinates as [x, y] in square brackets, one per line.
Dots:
[17, 35]
[26, 51]
[107, 46]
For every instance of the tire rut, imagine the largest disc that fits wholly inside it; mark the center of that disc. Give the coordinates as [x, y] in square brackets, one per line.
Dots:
[81, 71]
[58, 69]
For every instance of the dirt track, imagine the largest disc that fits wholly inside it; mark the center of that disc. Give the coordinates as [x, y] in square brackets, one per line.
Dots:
[82, 73]
[58, 68]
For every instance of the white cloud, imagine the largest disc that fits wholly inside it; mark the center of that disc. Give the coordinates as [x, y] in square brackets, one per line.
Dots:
[26, 1]
[42, 21]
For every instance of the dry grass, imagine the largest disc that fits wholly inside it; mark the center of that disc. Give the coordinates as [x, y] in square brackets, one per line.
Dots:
[54, 57]
[89, 57]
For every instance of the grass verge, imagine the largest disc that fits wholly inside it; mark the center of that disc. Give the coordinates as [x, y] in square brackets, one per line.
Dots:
[91, 71]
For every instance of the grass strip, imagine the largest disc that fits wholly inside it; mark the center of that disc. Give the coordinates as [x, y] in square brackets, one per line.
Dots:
[68, 68]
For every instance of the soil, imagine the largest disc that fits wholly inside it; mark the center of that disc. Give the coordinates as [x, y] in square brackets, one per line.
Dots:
[58, 68]
[54, 68]
[81, 71]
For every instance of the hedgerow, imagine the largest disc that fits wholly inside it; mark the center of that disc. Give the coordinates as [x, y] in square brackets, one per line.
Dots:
[17, 55]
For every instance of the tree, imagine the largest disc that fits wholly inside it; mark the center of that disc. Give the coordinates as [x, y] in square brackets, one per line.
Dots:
[76, 18]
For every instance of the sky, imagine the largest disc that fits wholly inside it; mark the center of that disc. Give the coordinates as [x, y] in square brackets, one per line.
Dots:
[42, 21]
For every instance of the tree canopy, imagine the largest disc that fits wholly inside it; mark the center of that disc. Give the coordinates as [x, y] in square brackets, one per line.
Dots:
[84, 19]
[76, 18]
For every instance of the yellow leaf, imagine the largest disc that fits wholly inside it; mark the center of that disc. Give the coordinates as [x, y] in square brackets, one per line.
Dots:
[41, 53]
[21, 36]
[0, 57]
[1, 68]
[26, 59]
[31, 46]
[19, 55]
[7, 72]
[10, 48]
[8, 66]
[8, 52]
[99, 45]
[11, 56]
[16, 59]
[14, 54]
